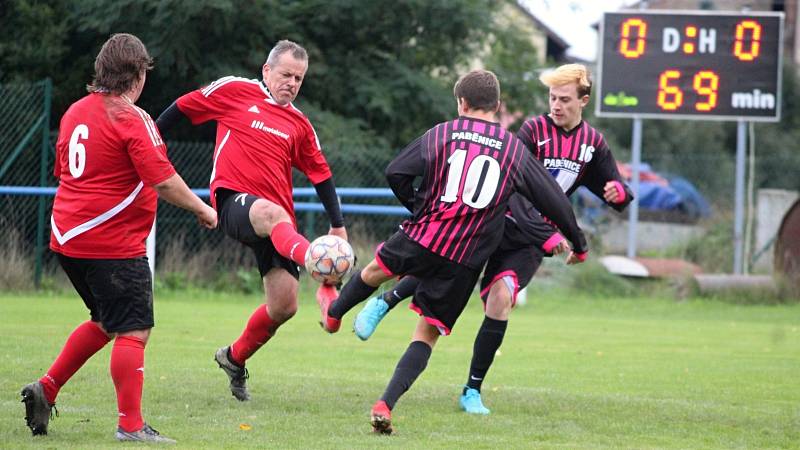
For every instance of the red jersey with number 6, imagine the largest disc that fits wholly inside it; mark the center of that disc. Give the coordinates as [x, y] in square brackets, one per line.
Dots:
[109, 154]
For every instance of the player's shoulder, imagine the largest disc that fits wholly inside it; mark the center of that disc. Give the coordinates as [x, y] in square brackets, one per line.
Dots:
[299, 114]
[595, 134]
[230, 83]
[534, 120]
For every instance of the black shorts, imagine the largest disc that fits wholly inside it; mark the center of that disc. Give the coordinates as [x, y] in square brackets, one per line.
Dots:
[444, 286]
[118, 292]
[233, 209]
[516, 265]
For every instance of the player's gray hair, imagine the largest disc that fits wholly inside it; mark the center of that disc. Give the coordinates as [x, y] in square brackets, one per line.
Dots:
[286, 46]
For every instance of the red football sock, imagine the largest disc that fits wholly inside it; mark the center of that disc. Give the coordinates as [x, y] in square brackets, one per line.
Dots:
[86, 340]
[289, 243]
[255, 334]
[127, 371]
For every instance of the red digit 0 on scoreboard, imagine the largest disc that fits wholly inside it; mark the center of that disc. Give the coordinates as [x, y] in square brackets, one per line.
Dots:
[754, 28]
[641, 33]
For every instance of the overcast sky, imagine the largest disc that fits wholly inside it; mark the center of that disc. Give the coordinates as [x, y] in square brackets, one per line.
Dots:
[573, 19]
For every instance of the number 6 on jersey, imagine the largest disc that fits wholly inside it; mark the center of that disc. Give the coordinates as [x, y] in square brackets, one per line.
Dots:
[77, 151]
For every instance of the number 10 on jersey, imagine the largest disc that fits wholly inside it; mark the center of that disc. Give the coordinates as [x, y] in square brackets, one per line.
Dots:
[480, 182]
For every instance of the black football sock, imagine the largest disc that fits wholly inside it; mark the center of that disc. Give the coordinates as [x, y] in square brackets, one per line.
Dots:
[488, 340]
[401, 291]
[353, 293]
[411, 364]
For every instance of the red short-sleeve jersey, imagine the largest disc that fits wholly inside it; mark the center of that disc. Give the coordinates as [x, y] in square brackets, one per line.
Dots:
[258, 141]
[109, 154]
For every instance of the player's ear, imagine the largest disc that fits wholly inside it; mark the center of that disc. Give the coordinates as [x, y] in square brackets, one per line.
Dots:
[584, 100]
[463, 106]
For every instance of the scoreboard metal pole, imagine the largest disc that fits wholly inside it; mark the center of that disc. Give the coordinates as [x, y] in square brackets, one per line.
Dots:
[633, 208]
[738, 219]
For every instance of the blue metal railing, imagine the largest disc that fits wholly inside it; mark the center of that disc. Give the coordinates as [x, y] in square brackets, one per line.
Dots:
[347, 208]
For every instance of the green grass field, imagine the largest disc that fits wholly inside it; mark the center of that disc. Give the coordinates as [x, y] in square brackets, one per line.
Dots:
[573, 373]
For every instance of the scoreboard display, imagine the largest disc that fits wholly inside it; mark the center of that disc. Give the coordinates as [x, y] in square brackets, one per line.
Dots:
[691, 65]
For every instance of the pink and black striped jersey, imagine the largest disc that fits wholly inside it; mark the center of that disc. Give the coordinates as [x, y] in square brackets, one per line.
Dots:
[578, 157]
[468, 170]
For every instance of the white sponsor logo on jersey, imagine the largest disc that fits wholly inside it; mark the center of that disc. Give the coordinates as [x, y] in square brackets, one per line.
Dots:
[254, 109]
[259, 125]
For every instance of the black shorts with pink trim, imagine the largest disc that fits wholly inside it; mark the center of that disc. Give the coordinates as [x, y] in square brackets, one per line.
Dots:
[444, 286]
[519, 264]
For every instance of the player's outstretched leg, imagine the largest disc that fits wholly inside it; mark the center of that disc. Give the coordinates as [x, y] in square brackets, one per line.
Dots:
[376, 308]
[470, 402]
[368, 318]
[37, 409]
[145, 434]
[381, 418]
[237, 374]
[326, 296]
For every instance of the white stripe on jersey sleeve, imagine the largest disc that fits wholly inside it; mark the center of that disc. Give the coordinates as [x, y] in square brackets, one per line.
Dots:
[150, 126]
[316, 138]
[86, 226]
[208, 90]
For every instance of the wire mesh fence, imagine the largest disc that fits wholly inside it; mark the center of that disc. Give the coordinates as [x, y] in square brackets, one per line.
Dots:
[186, 252]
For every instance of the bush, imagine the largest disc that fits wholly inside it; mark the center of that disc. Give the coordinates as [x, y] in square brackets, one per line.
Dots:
[16, 266]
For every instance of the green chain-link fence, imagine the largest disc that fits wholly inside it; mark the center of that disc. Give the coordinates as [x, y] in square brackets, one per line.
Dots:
[185, 251]
[24, 160]
[182, 247]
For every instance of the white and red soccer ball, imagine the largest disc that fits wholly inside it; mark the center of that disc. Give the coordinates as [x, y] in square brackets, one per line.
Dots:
[329, 258]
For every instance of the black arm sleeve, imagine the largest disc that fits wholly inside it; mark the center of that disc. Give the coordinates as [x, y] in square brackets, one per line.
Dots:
[601, 170]
[538, 186]
[326, 191]
[169, 118]
[402, 170]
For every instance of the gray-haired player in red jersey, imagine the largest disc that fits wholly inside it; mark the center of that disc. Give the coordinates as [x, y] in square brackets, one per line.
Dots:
[576, 155]
[469, 169]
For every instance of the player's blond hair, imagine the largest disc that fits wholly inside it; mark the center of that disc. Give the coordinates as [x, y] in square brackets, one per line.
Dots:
[569, 73]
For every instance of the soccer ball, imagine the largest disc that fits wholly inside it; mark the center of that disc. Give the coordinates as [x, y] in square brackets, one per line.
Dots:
[329, 258]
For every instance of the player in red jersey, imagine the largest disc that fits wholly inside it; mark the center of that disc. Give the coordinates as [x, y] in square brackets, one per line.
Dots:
[576, 155]
[112, 166]
[469, 169]
[260, 137]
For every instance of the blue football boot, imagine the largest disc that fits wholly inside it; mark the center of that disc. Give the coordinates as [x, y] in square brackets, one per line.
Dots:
[470, 402]
[369, 317]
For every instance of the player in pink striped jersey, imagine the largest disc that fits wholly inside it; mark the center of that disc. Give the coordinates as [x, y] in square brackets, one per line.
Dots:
[112, 166]
[576, 155]
[468, 169]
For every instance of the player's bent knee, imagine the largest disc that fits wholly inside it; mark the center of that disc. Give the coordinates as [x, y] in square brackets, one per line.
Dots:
[373, 275]
[264, 215]
[144, 335]
[283, 312]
